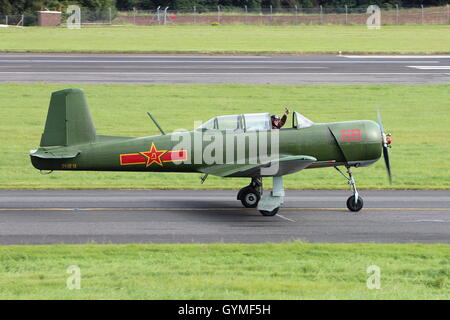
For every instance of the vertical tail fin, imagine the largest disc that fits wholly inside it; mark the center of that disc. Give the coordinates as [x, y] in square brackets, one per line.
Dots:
[68, 120]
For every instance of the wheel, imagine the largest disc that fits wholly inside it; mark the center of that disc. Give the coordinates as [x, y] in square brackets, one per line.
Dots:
[354, 207]
[269, 213]
[249, 197]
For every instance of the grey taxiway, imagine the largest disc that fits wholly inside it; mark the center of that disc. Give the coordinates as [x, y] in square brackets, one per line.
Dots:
[183, 216]
[220, 69]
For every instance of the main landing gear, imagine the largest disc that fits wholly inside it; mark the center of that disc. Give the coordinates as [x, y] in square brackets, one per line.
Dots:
[251, 194]
[268, 205]
[354, 202]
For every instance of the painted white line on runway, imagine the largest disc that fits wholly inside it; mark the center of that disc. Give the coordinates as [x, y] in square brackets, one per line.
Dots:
[132, 61]
[180, 67]
[430, 67]
[221, 73]
[283, 217]
[124, 55]
[399, 57]
[218, 61]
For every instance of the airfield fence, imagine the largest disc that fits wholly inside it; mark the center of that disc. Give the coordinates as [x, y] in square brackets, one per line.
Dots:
[265, 16]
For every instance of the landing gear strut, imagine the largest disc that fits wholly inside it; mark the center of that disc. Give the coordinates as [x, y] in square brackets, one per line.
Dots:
[268, 205]
[354, 202]
[251, 194]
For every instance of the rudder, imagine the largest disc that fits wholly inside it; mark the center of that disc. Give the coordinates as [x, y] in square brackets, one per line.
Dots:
[69, 121]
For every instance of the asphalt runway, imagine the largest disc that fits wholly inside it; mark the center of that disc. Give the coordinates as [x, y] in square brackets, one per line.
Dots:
[221, 69]
[183, 216]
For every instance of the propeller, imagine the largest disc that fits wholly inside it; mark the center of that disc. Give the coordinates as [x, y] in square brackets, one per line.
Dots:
[386, 143]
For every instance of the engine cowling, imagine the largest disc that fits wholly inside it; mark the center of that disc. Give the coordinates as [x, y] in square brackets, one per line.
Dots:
[359, 141]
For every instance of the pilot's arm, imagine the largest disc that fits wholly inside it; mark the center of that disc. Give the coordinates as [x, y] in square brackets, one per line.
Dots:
[284, 117]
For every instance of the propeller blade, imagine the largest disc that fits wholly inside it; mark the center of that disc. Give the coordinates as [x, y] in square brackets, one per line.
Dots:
[380, 123]
[385, 147]
[386, 161]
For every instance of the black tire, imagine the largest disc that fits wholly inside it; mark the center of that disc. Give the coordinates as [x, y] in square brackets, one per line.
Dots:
[355, 207]
[269, 213]
[249, 197]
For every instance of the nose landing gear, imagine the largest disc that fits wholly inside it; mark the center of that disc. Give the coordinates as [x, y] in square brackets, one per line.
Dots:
[354, 203]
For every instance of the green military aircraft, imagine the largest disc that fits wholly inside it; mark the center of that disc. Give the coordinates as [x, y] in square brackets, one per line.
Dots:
[243, 145]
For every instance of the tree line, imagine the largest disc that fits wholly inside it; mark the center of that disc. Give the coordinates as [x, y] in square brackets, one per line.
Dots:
[8, 7]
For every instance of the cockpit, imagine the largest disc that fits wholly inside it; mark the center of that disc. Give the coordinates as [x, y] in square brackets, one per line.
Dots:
[252, 122]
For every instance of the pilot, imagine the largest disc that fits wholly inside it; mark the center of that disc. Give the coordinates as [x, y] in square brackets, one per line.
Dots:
[278, 123]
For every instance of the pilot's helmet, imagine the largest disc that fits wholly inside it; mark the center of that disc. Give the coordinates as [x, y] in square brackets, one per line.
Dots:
[274, 117]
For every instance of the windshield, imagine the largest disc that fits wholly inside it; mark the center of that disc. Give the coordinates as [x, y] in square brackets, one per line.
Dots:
[302, 121]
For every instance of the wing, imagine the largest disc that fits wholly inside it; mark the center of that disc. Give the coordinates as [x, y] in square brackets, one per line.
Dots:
[284, 165]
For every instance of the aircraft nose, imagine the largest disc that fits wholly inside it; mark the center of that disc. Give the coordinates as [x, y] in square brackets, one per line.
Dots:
[373, 133]
[373, 140]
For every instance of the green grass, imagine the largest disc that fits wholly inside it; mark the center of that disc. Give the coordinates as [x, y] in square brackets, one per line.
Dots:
[230, 39]
[226, 271]
[417, 116]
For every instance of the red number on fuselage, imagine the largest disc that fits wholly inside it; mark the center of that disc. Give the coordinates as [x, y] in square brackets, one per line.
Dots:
[351, 135]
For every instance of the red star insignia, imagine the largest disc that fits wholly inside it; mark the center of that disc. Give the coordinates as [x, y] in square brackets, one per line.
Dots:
[153, 155]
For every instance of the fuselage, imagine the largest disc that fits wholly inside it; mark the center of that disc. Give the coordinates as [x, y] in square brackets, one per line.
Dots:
[354, 143]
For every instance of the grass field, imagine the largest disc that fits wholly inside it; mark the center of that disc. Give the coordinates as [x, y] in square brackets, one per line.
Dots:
[226, 271]
[417, 116]
[230, 39]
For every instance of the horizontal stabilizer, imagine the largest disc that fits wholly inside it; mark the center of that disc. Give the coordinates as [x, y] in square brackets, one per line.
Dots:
[54, 154]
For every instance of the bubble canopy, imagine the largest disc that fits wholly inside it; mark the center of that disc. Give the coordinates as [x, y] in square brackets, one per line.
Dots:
[250, 122]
